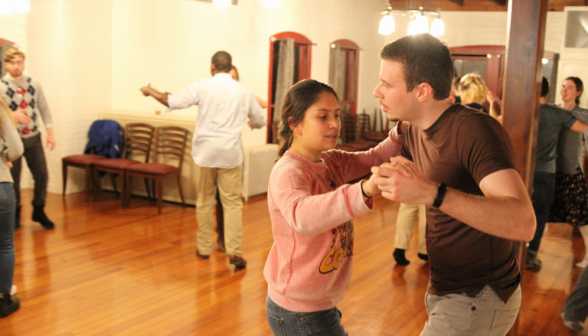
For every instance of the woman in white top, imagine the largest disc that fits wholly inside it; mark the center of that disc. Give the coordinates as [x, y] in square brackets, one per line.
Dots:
[11, 148]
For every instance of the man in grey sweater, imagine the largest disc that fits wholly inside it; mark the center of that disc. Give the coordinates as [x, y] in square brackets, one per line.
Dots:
[24, 96]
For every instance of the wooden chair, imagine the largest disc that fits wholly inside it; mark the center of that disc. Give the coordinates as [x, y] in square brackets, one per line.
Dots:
[170, 143]
[84, 161]
[138, 140]
[107, 144]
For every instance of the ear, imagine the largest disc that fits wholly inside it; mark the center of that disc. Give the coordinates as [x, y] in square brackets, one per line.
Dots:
[424, 92]
[293, 126]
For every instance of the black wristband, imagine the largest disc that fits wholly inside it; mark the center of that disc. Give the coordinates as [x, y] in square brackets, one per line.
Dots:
[440, 195]
[362, 192]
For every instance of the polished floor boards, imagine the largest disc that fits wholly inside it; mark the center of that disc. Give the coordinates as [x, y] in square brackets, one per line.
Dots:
[109, 271]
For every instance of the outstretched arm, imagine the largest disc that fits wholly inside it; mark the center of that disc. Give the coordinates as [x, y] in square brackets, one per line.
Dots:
[159, 96]
[506, 210]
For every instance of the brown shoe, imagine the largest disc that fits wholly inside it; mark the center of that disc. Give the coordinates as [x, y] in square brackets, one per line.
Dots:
[202, 256]
[239, 262]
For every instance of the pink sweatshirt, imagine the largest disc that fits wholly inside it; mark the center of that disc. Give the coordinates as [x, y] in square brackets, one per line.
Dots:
[311, 208]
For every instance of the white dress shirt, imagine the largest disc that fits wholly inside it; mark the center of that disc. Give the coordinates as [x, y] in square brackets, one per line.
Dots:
[223, 107]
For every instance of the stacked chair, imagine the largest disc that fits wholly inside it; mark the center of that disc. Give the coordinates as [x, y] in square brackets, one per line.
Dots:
[142, 143]
[170, 143]
[106, 141]
[138, 140]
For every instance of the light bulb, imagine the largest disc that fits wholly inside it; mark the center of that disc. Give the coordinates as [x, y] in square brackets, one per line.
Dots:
[422, 24]
[412, 28]
[387, 26]
[437, 28]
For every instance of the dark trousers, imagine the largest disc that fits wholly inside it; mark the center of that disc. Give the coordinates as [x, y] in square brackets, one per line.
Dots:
[35, 156]
[576, 305]
[543, 194]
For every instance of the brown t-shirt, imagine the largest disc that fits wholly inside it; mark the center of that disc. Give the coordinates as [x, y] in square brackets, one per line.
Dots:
[461, 148]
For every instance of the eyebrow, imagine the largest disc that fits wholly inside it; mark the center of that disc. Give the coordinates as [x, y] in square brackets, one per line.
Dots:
[327, 110]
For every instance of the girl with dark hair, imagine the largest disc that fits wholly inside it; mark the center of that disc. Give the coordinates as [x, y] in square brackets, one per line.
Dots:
[311, 208]
[570, 204]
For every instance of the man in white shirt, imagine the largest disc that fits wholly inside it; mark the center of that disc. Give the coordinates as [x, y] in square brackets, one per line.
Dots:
[223, 108]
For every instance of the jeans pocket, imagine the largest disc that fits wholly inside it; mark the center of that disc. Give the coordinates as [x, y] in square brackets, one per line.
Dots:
[324, 322]
[276, 325]
[503, 321]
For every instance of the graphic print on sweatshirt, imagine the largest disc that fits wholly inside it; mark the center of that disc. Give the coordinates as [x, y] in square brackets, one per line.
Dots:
[342, 248]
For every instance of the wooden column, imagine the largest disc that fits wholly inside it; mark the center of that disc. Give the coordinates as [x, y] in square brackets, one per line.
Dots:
[522, 88]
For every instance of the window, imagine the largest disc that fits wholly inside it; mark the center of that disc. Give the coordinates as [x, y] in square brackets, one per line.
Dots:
[290, 58]
[344, 71]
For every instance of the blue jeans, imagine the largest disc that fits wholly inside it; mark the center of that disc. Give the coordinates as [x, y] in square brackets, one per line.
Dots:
[7, 213]
[284, 322]
[543, 194]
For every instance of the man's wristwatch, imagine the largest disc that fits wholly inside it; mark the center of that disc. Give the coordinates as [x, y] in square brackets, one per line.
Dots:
[440, 195]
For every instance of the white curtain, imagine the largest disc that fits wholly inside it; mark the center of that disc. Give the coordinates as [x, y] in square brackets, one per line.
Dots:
[285, 78]
[337, 70]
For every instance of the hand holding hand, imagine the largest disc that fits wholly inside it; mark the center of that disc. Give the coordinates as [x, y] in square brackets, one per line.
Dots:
[21, 116]
[369, 188]
[400, 180]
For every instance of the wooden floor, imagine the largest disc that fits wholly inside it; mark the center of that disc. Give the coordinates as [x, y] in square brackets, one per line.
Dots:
[109, 271]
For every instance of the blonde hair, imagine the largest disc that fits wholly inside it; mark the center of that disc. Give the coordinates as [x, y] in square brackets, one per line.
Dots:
[472, 89]
[5, 109]
[10, 53]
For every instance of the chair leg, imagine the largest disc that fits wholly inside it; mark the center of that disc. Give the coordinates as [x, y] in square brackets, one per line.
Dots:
[88, 182]
[113, 179]
[64, 175]
[97, 184]
[159, 194]
[127, 191]
[180, 190]
[125, 187]
[146, 180]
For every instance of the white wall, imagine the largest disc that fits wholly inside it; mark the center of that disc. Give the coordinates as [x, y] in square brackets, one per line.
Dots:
[68, 48]
[169, 44]
[94, 56]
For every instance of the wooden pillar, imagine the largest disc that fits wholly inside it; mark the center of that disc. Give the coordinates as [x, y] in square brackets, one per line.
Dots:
[522, 88]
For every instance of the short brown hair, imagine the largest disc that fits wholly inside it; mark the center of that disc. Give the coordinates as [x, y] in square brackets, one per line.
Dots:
[10, 53]
[425, 59]
[222, 61]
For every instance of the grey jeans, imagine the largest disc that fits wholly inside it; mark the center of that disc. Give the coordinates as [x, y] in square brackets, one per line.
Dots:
[35, 156]
[458, 314]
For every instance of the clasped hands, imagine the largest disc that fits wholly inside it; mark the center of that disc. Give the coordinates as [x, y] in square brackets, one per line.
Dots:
[401, 181]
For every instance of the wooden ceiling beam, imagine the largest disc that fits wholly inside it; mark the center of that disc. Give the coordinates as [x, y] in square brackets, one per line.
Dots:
[500, 2]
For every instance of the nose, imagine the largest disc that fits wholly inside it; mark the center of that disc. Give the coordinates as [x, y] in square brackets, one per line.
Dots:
[376, 92]
[335, 122]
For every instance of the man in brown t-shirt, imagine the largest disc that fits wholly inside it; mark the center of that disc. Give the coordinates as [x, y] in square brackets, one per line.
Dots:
[477, 204]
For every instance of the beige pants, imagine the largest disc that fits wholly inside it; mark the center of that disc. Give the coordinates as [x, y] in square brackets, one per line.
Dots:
[229, 186]
[405, 226]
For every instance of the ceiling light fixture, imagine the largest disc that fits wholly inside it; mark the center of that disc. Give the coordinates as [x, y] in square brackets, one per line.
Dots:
[419, 20]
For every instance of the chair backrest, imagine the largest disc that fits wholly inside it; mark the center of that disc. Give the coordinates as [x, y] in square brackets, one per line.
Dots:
[363, 123]
[170, 141]
[138, 140]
